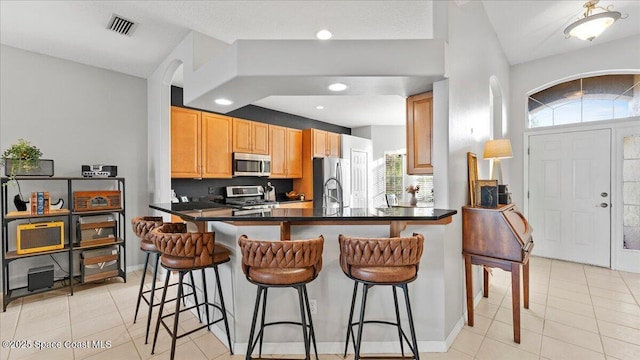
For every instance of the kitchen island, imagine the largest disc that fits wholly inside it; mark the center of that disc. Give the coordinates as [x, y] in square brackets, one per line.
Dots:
[331, 291]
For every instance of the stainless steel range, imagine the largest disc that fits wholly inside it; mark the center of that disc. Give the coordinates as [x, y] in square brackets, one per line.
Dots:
[248, 200]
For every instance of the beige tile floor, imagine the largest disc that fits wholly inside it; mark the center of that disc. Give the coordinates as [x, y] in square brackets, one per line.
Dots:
[576, 312]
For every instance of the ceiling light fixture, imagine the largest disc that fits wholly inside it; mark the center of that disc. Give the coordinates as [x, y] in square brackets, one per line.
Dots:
[324, 34]
[319, 107]
[592, 25]
[224, 102]
[337, 87]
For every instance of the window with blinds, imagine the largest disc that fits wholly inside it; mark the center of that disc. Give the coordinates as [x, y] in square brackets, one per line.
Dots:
[396, 179]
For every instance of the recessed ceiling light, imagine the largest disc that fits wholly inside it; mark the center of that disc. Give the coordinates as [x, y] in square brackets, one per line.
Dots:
[337, 87]
[223, 101]
[319, 107]
[324, 34]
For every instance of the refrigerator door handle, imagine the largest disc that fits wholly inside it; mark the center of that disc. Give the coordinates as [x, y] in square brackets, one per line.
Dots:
[339, 180]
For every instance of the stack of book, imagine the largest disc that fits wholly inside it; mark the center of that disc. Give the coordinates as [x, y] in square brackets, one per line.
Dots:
[40, 203]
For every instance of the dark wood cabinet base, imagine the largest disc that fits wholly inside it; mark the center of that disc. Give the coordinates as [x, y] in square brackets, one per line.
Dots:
[506, 265]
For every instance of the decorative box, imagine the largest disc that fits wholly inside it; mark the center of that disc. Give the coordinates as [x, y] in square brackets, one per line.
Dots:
[99, 264]
[96, 230]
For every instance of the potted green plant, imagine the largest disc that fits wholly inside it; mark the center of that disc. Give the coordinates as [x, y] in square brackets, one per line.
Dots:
[21, 158]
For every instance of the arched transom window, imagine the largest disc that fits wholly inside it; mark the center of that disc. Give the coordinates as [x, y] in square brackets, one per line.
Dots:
[596, 98]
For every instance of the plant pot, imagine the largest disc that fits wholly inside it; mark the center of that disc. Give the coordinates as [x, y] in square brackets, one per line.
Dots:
[45, 168]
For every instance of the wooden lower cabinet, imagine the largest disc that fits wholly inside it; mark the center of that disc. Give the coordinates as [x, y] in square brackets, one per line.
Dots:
[297, 205]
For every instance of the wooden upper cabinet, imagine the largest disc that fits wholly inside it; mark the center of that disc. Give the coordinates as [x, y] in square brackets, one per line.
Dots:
[185, 143]
[325, 144]
[260, 138]
[241, 135]
[419, 134]
[278, 141]
[319, 143]
[216, 146]
[294, 153]
[333, 144]
[286, 152]
[200, 144]
[250, 137]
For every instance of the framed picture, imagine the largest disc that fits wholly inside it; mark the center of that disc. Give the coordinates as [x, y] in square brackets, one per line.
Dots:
[472, 176]
[486, 193]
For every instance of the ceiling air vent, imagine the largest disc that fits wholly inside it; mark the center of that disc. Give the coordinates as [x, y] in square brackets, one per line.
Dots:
[121, 25]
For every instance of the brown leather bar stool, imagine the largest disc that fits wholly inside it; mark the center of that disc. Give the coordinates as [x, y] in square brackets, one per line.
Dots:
[142, 227]
[290, 263]
[184, 252]
[381, 261]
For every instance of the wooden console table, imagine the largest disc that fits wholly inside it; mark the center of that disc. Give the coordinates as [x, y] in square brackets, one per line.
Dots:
[501, 238]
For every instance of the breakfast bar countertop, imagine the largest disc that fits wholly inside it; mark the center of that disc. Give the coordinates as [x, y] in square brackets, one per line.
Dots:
[203, 211]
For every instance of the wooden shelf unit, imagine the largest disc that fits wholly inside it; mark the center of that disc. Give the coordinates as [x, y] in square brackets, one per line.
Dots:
[70, 218]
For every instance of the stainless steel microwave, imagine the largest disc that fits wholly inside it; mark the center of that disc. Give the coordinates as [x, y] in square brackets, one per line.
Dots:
[251, 165]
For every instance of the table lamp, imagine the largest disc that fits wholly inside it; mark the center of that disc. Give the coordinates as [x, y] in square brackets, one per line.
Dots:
[495, 150]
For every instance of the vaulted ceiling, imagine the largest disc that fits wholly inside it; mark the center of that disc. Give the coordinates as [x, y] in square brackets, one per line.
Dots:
[76, 30]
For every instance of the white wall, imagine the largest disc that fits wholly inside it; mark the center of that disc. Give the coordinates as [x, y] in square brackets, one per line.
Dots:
[475, 55]
[384, 138]
[462, 123]
[78, 114]
[619, 55]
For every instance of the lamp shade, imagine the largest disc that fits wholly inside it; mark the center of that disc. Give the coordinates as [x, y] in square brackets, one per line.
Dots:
[497, 149]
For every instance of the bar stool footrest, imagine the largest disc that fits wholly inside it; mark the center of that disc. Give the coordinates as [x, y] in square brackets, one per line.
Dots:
[270, 358]
[259, 335]
[404, 335]
[213, 322]
[385, 357]
[170, 300]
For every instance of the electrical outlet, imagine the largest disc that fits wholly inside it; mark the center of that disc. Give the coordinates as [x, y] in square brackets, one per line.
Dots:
[212, 190]
[313, 306]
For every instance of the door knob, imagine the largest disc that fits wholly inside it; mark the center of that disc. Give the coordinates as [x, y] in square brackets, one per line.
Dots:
[604, 194]
[604, 205]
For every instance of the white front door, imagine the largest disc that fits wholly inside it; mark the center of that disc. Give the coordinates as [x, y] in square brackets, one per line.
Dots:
[359, 178]
[569, 195]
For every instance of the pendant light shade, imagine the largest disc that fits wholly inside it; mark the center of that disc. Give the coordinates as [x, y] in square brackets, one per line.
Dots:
[591, 25]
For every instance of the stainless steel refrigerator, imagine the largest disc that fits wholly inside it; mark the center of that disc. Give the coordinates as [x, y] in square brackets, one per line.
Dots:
[331, 184]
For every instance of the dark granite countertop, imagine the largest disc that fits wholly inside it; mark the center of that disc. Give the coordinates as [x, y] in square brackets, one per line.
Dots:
[208, 211]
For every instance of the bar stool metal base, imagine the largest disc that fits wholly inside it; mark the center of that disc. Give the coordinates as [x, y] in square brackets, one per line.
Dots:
[174, 332]
[148, 295]
[308, 333]
[412, 343]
